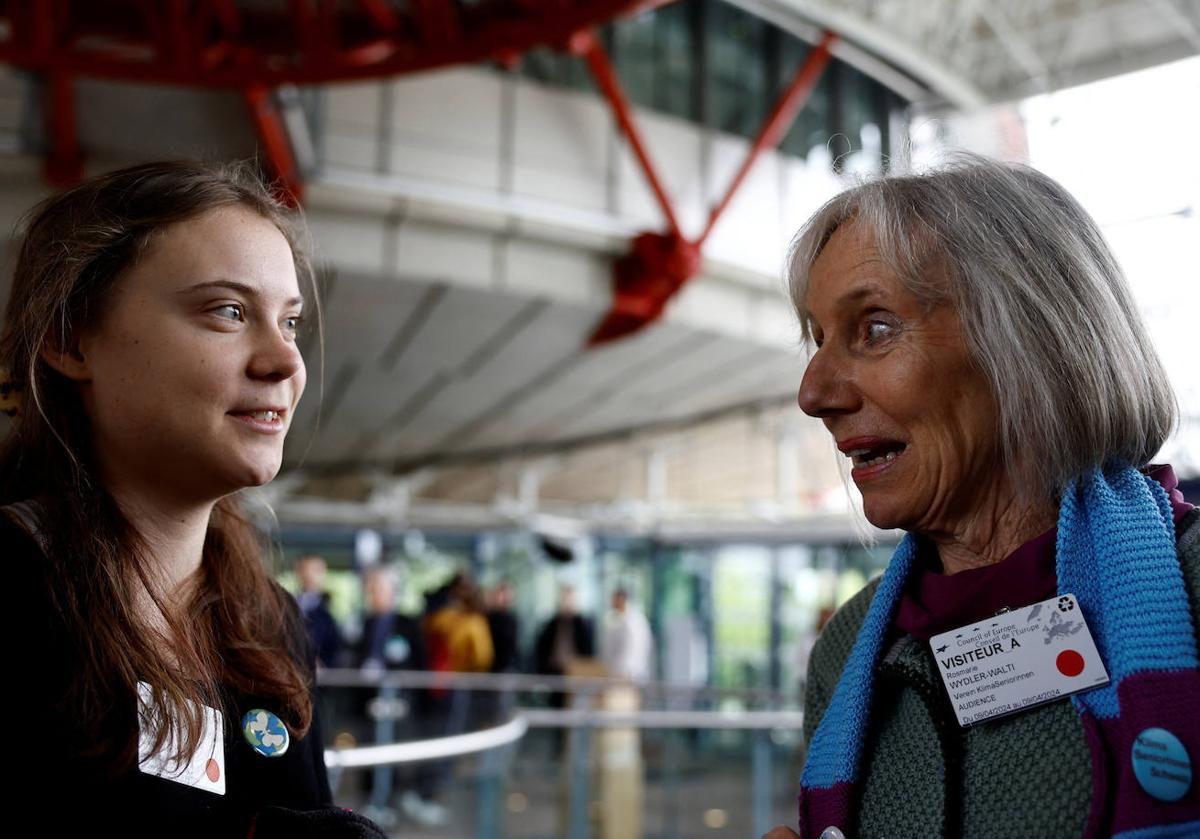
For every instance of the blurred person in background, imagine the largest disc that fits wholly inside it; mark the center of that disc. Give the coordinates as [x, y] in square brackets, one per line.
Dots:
[504, 628]
[628, 649]
[566, 636]
[456, 633]
[505, 632]
[981, 361]
[390, 640]
[457, 640]
[393, 641]
[314, 605]
[167, 687]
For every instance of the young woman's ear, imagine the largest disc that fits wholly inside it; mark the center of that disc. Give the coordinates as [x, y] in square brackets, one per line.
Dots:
[68, 360]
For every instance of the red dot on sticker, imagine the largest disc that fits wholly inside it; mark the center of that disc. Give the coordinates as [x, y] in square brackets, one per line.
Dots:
[1069, 663]
[213, 770]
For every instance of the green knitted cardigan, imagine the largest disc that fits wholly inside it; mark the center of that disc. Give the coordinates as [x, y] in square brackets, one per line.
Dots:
[924, 775]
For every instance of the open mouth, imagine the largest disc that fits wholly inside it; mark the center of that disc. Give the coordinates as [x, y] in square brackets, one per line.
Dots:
[265, 416]
[884, 452]
[266, 419]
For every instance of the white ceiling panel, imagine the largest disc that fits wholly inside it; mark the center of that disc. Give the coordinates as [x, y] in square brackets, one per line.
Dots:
[420, 371]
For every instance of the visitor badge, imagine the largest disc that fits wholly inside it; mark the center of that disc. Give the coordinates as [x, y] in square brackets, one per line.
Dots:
[1018, 659]
[205, 770]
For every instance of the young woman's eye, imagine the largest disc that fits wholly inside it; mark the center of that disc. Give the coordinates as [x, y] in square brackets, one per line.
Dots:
[230, 311]
[291, 324]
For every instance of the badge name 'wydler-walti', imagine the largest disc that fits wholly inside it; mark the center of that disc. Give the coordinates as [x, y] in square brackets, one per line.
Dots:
[1018, 660]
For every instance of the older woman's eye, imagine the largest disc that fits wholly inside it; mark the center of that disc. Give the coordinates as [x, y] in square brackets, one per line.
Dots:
[878, 330]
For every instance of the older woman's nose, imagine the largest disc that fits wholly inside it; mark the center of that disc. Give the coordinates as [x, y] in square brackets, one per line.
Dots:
[825, 390]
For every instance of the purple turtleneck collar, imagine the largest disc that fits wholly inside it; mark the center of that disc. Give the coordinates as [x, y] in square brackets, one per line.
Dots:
[934, 602]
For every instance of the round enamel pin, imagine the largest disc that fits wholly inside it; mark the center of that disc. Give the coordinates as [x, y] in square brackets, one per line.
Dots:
[265, 733]
[1161, 764]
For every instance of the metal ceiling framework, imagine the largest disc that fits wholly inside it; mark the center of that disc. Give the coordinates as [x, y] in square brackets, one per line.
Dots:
[660, 263]
[968, 52]
[961, 53]
[971, 53]
[255, 47]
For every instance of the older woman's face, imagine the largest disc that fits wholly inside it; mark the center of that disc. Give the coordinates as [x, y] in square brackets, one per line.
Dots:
[893, 383]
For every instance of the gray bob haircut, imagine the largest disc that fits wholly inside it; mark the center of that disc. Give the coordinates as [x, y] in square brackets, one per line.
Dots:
[1046, 313]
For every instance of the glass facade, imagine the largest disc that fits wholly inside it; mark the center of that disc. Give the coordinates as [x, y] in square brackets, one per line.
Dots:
[722, 67]
[733, 626]
[727, 616]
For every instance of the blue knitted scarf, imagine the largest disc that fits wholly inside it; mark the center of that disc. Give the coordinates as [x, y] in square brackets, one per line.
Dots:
[1116, 554]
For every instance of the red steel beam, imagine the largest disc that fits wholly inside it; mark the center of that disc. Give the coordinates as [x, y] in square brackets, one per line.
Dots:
[226, 12]
[382, 15]
[43, 34]
[180, 29]
[268, 53]
[658, 265]
[272, 133]
[228, 21]
[437, 21]
[63, 166]
[778, 122]
[306, 25]
[585, 44]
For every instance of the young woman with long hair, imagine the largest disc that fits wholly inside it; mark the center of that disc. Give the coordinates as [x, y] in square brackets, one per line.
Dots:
[162, 680]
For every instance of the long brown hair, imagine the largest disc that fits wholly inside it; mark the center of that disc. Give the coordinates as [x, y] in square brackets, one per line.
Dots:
[234, 630]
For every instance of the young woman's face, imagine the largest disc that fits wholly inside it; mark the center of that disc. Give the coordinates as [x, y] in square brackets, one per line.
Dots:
[192, 375]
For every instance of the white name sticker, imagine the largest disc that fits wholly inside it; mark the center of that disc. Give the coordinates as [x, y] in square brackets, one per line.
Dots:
[1017, 660]
[205, 770]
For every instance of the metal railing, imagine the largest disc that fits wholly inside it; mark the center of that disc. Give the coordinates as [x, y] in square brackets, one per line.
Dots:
[580, 722]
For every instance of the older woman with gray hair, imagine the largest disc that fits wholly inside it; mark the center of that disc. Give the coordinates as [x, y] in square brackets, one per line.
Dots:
[1027, 664]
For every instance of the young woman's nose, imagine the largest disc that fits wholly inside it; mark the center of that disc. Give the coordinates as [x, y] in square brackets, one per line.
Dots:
[276, 357]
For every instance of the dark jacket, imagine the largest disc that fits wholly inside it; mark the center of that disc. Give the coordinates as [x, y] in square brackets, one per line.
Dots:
[583, 642]
[392, 640]
[323, 630]
[506, 655]
[65, 794]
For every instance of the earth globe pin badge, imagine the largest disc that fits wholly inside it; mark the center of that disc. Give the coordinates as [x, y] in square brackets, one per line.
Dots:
[265, 732]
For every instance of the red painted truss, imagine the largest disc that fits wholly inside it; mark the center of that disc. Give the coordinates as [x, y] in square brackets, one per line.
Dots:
[256, 45]
[265, 43]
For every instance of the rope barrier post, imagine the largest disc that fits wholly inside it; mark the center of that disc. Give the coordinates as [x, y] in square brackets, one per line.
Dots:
[620, 780]
[760, 793]
[671, 749]
[581, 761]
[488, 815]
[385, 732]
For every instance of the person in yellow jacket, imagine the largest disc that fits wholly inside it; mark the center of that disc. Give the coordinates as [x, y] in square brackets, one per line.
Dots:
[457, 639]
[457, 633]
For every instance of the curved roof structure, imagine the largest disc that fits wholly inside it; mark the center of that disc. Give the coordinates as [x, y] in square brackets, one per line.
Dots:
[968, 53]
[468, 221]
